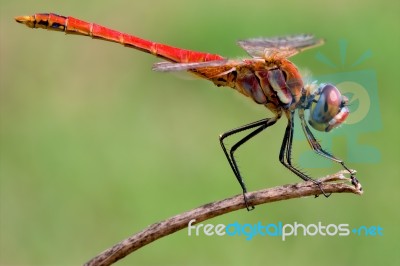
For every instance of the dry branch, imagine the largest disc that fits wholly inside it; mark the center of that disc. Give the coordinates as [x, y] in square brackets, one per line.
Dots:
[336, 183]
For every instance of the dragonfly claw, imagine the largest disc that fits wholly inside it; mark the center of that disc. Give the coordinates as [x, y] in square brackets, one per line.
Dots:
[355, 182]
[318, 183]
[246, 202]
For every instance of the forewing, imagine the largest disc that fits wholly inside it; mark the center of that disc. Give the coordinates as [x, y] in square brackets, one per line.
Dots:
[209, 69]
[169, 66]
[285, 46]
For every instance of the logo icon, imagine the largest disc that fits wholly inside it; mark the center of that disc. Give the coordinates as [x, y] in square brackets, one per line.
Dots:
[360, 87]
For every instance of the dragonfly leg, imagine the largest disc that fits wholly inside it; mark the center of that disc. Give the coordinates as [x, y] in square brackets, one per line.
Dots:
[286, 153]
[261, 125]
[318, 149]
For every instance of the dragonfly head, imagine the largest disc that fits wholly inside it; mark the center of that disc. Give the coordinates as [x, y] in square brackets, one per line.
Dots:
[328, 108]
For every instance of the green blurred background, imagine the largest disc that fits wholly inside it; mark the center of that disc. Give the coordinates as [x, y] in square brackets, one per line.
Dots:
[95, 146]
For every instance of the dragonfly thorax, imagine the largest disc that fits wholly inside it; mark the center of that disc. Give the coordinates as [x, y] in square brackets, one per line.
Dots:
[278, 85]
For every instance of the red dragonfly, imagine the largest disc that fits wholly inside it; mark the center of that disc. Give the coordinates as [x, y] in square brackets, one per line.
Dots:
[268, 78]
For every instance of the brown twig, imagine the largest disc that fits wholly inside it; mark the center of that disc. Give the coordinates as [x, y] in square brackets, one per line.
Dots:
[336, 183]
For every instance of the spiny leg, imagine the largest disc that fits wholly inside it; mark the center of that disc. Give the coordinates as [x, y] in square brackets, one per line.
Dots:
[318, 149]
[231, 159]
[286, 151]
[261, 124]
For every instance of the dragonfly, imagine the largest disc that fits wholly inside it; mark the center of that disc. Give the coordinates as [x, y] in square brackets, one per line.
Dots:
[267, 77]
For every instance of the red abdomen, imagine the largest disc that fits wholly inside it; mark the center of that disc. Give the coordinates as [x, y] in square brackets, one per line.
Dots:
[71, 25]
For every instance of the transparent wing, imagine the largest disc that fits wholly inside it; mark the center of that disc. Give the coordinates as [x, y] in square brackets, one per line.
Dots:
[169, 67]
[285, 46]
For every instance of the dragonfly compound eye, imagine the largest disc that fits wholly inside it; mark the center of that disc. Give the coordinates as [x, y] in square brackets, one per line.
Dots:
[328, 109]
